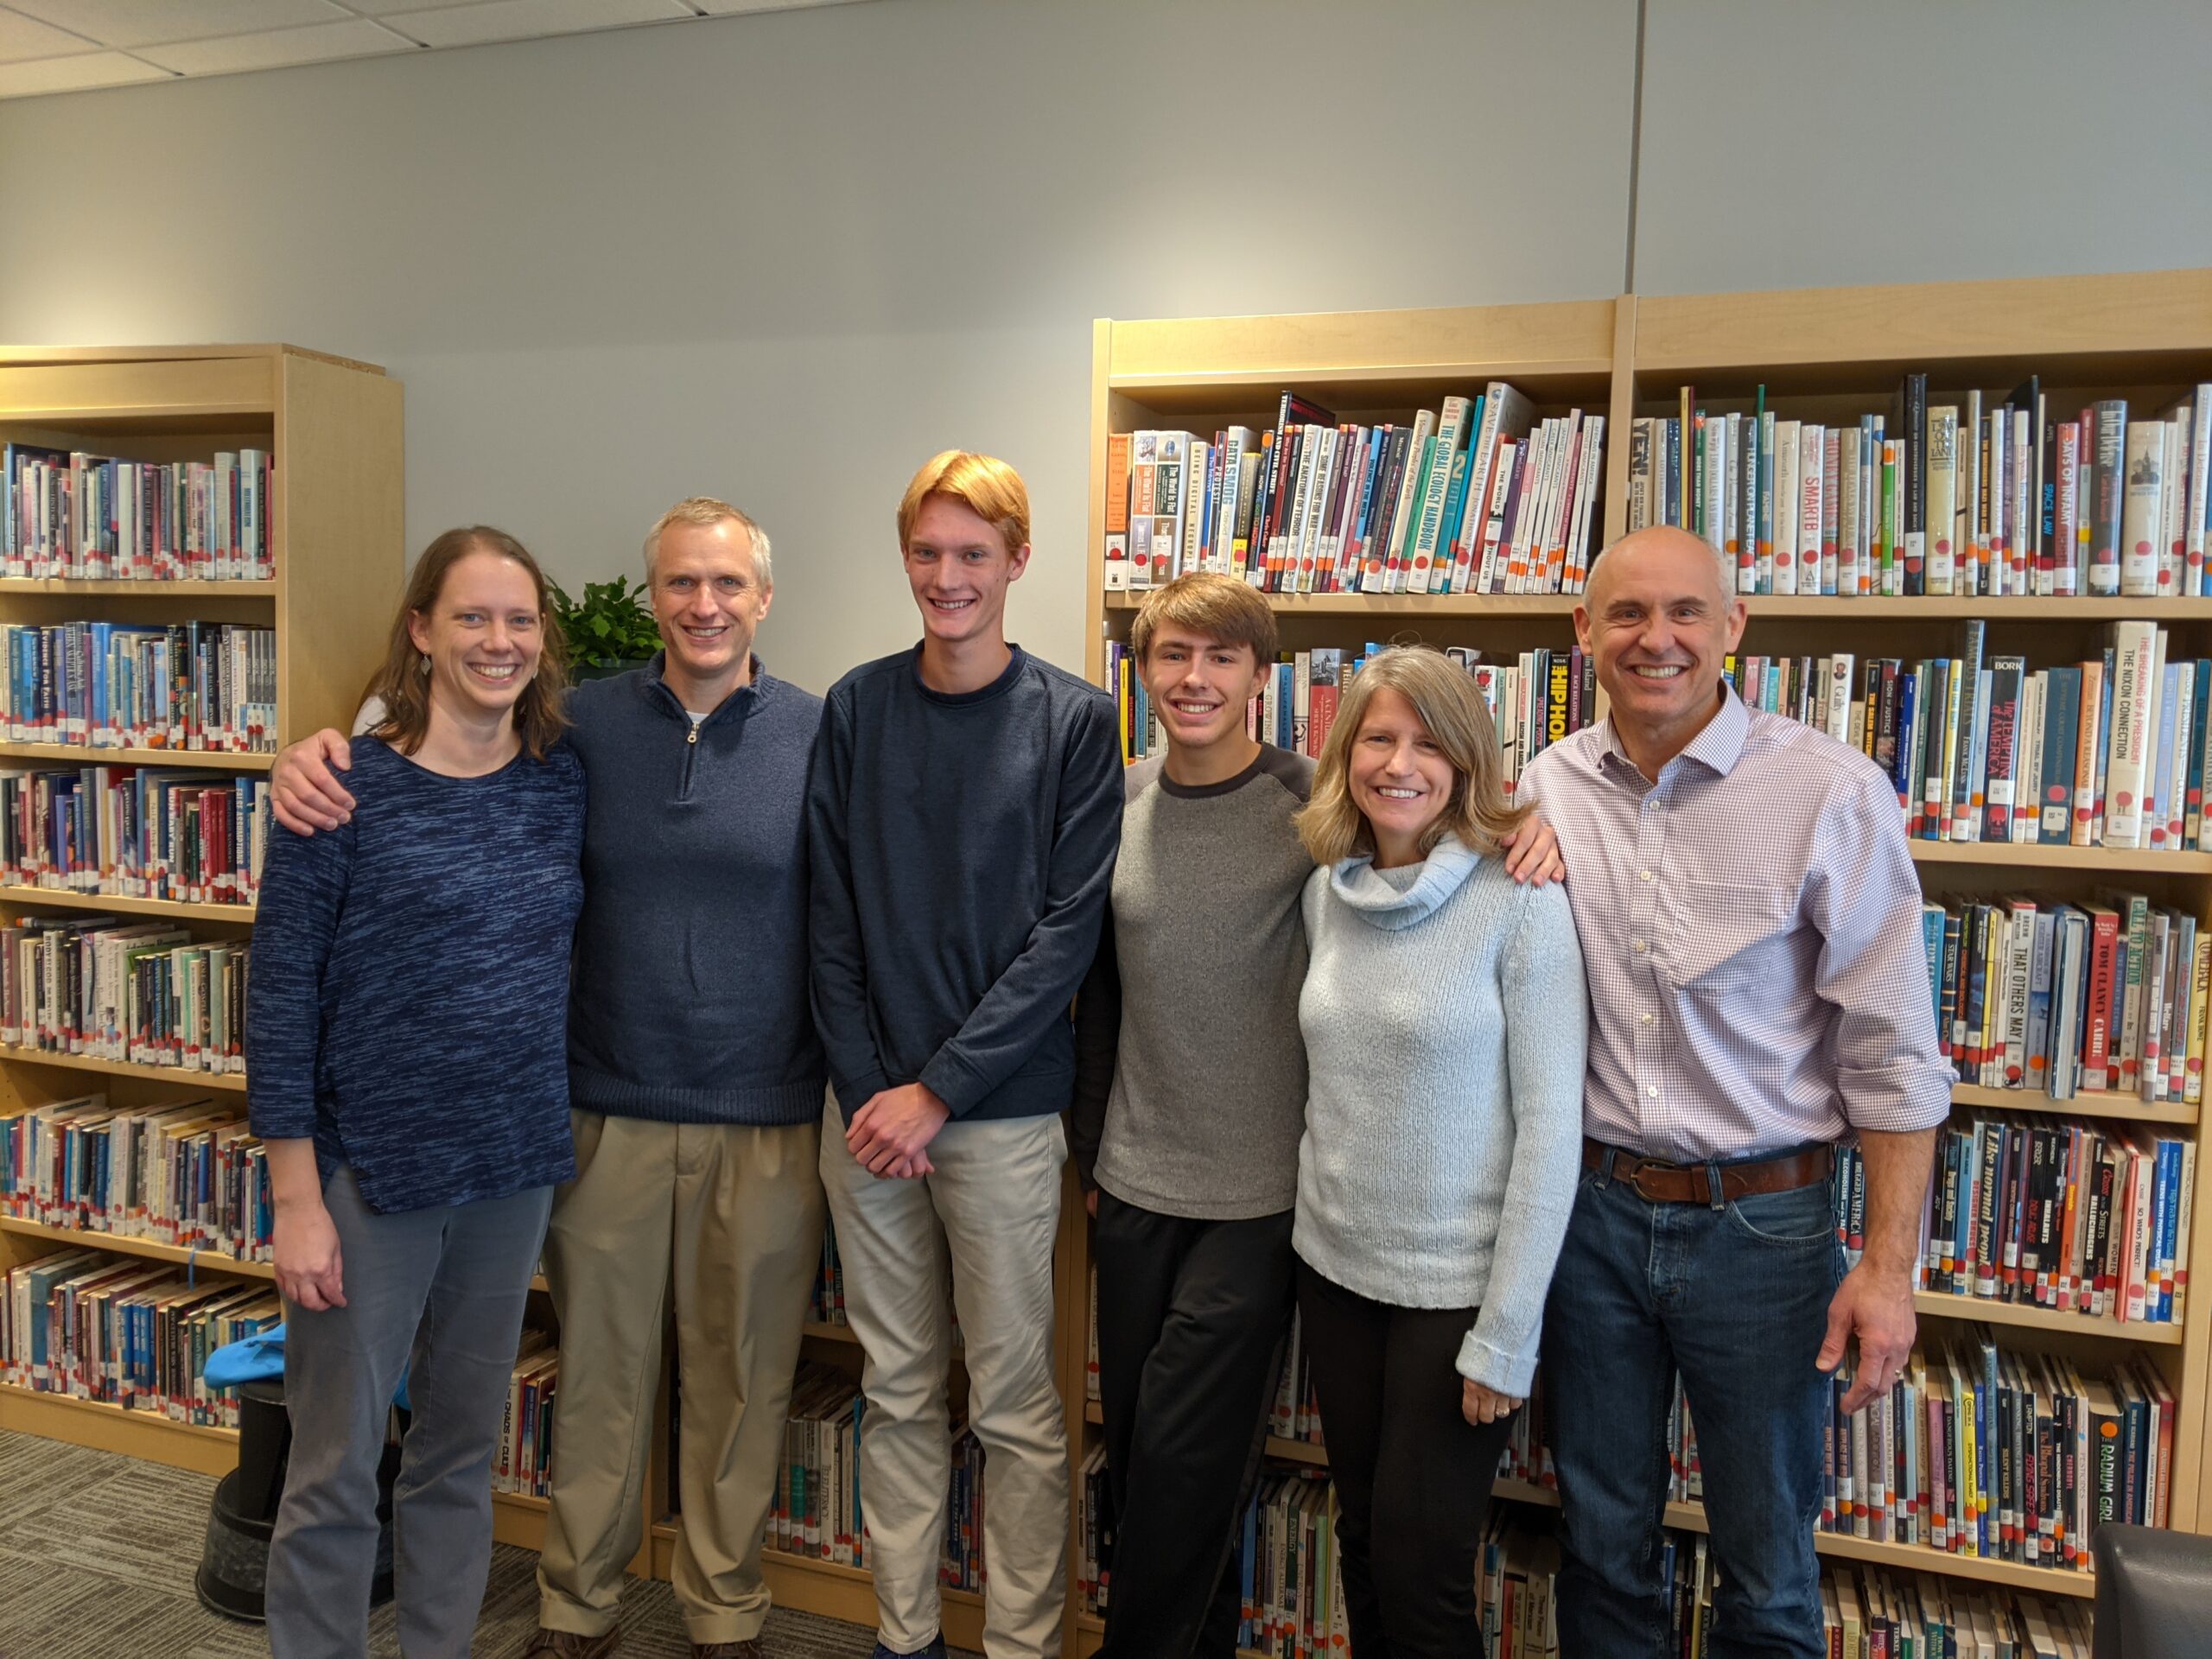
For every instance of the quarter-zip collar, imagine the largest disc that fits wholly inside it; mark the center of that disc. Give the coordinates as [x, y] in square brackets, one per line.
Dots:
[740, 705]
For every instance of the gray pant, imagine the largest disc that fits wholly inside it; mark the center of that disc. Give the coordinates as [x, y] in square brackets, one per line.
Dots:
[437, 1293]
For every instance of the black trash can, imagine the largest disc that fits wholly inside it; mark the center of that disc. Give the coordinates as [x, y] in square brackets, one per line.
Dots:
[234, 1563]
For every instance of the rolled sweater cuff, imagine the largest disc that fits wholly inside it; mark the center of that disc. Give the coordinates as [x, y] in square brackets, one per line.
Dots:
[1496, 1369]
[768, 1104]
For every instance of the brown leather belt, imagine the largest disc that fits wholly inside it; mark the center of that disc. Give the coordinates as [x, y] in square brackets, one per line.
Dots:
[1658, 1182]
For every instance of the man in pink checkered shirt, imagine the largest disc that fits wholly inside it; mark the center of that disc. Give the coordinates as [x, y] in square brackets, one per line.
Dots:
[1750, 921]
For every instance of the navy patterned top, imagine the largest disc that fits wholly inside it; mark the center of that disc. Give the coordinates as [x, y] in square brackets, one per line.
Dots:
[409, 996]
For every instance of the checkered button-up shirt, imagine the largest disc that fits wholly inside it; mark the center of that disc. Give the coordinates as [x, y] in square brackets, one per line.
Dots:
[1751, 927]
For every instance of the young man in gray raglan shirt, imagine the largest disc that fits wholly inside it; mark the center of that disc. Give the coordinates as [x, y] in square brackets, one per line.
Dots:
[1189, 1104]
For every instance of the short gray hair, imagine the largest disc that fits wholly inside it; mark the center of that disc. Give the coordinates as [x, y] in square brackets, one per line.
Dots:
[707, 510]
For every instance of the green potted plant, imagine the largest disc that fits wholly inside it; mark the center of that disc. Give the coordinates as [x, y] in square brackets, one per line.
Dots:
[608, 631]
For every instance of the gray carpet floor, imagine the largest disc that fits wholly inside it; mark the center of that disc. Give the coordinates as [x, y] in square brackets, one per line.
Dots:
[97, 1551]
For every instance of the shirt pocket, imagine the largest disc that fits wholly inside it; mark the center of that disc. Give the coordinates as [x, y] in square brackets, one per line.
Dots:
[1728, 935]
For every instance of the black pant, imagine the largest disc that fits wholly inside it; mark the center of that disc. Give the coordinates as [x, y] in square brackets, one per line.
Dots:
[1191, 1322]
[1413, 1475]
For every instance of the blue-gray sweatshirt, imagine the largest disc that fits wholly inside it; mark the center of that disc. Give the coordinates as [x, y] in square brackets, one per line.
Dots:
[962, 846]
[690, 995]
[409, 973]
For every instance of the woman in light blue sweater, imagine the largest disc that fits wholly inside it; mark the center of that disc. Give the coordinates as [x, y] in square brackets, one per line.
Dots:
[1445, 1018]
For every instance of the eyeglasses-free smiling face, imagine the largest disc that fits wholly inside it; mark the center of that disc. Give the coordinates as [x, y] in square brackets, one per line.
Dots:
[959, 568]
[1400, 777]
[483, 636]
[1199, 687]
[1661, 626]
[707, 598]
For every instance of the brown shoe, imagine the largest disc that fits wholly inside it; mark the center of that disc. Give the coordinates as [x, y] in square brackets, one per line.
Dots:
[567, 1644]
[746, 1650]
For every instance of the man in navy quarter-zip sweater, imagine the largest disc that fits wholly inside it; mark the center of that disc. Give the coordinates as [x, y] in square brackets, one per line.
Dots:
[695, 1083]
[964, 812]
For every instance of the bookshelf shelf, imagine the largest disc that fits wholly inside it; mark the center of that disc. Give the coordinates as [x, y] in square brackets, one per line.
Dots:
[1936, 1304]
[233, 1082]
[177, 908]
[106, 1427]
[1936, 609]
[136, 587]
[2125, 1107]
[123, 1244]
[153, 1250]
[1918, 1557]
[84, 754]
[2101, 861]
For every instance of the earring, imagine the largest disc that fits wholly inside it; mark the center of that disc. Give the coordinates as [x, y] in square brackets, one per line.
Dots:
[423, 665]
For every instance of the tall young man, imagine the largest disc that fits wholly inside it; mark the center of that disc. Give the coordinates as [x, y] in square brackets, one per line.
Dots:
[696, 1084]
[1189, 1104]
[964, 808]
[1749, 923]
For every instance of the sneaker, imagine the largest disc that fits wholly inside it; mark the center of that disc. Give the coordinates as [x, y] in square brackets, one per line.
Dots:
[935, 1650]
[567, 1644]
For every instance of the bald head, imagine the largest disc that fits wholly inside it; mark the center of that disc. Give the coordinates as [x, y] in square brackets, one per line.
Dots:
[1659, 619]
[1665, 552]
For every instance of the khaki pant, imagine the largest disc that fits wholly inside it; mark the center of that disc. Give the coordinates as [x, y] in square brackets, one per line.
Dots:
[735, 1212]
[993, 1206]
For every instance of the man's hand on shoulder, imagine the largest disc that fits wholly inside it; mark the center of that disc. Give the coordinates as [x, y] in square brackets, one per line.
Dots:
[1876, 1307]
[889, 1137]
[1532, 853]
[304, 790]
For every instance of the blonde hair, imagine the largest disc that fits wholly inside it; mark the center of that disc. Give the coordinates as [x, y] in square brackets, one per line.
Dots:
[706, 510]
[1444, 700]
[1213, 607]
[984, 484]
[540, 712]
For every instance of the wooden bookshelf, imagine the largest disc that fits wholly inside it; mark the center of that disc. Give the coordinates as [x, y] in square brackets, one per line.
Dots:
[1826, 352]
[332, 429]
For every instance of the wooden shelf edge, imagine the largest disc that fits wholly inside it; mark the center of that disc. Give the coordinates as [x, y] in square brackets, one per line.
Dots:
[1938, 1304]
[85, 754]
[1907, 1557]
[177, 588]
[1778, 606]
[2104, 861]
[153, 1250]
[182, 909]
[2094, 1103]
[231, 1082]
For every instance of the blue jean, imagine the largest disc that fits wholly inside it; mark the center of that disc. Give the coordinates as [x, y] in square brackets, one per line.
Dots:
[1736, 1299]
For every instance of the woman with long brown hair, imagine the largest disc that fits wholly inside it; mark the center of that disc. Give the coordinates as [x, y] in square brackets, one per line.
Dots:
[406, 1070]
[1444, 1015]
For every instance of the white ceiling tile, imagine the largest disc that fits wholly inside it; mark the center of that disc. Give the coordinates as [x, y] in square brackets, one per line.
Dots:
[21, 38]
[319, 43]
[148, 22]
[392, 8]
[75, 74]
[731, 7]
[523, 20]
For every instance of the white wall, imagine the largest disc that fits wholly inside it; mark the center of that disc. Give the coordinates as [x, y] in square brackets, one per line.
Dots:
[786, 257]
[1794, 144]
